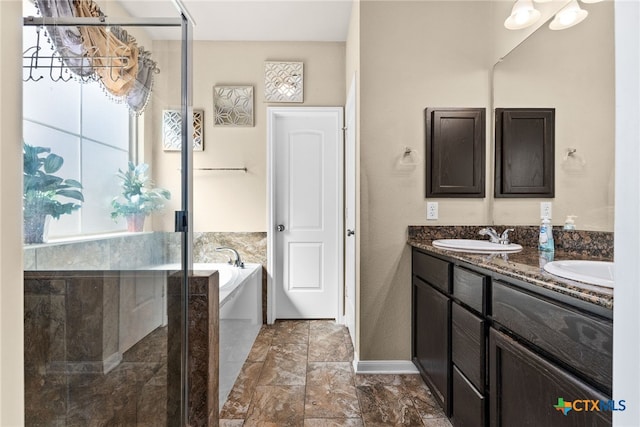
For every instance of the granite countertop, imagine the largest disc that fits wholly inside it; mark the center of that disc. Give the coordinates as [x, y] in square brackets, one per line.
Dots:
[526, 266]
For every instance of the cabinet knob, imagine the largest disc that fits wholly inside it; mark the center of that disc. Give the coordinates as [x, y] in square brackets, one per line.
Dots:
[280, 227]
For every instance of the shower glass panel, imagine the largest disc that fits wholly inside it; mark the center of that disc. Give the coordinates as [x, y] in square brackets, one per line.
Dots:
[104, 272]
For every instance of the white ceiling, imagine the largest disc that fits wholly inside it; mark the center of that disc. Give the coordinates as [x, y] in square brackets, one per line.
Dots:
[251, 20]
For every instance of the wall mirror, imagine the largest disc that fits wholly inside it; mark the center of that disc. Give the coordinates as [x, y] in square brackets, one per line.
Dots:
[571, 70]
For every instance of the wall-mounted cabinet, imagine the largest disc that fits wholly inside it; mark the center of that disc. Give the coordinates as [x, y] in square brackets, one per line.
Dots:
[455, 148]
[525, 152]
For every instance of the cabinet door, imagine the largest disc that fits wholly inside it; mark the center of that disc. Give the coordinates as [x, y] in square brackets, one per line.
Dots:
[525, 388]
[524, 152]
[455, 152]
[431, 311]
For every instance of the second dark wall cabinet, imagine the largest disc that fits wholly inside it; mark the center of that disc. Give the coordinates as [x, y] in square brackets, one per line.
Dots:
[525, 152]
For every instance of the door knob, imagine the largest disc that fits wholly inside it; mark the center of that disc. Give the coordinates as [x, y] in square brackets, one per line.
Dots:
[280, 227]
[350, 232]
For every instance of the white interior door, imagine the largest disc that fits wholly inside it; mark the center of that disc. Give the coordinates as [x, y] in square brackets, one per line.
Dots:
[350, 212]
[306, 218]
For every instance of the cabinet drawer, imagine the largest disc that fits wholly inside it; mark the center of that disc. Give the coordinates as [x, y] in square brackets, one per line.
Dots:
[469, 287]
[468, 403]
[432, 270]
[467, 344]
[580, 341]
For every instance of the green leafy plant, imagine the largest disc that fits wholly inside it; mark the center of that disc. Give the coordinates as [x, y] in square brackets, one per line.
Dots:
[138, 194]
[42, 190]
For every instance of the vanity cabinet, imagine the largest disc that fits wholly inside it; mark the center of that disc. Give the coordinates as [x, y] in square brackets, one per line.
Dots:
[431, 314]
[496, 351]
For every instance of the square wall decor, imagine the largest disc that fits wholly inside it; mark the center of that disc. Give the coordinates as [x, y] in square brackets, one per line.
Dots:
[172, 130]
[283, 81]
[233, 105]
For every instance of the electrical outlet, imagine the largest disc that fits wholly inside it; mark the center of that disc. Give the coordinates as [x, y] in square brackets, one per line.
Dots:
[432, 210]
[545, 210]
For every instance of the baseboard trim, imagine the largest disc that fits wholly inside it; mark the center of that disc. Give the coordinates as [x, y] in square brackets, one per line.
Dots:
[384, 367]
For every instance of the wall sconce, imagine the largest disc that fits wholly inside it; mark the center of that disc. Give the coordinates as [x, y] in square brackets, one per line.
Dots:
[522, 15]
[572, 14]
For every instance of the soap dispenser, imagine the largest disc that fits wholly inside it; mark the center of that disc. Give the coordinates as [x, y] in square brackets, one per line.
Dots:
[545, 239]
[569, 223]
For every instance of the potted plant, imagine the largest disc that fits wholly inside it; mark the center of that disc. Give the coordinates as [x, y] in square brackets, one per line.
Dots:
[138, 198]
[42, 189]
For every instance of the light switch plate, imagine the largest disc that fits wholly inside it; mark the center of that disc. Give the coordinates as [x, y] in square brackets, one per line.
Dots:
[545, 210]
[432, 210]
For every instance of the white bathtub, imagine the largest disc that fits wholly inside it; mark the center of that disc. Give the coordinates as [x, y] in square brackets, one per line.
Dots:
[240, 316]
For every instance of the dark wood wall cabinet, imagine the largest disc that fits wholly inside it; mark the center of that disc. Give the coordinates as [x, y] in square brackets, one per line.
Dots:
[496, 353]
[525, 152]
[455, 148]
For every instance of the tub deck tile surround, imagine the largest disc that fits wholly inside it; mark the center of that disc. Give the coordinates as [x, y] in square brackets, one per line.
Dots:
[331, 394]
[526, 265]
[203, 306]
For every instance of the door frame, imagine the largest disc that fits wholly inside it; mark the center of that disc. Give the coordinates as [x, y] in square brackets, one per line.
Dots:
[272, 114]
[351, 106]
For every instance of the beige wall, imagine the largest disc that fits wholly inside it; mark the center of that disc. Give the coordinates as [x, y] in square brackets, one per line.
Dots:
[11, 286]
[235, 201]
[573, 72]
[413, 55]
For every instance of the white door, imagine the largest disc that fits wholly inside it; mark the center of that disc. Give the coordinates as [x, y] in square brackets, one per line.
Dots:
[350, 212]
[306, 212]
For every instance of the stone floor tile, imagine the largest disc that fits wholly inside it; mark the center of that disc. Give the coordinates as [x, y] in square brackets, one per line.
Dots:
[281, 406]
[330, 391]
[286, 364]
[237, 403]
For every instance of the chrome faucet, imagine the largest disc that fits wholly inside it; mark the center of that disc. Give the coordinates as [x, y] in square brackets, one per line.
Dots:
[503, 239]
[238, 262]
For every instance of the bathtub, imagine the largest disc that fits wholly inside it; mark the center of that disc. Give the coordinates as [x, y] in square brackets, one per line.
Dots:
[240, 317]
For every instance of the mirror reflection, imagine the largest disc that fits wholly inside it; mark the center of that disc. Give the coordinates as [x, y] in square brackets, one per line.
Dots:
[572, 71]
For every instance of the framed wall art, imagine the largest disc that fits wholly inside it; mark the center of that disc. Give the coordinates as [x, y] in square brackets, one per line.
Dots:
[283, 81]
[233, 106]
[171, 130]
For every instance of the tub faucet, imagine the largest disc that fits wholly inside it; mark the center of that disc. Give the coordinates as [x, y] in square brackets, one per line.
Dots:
[503, 239]
[238, 262]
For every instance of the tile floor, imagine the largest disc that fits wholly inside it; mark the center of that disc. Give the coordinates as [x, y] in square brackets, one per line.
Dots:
[299, 373]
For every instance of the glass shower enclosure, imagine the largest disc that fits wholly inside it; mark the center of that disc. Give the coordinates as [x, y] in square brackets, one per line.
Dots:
[106, 205]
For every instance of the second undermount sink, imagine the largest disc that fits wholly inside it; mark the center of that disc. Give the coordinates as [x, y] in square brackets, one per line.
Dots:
[593, 272]
[475, 246]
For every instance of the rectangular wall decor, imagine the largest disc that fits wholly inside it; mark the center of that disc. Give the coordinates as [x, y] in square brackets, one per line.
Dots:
[233, 106]
[455, 164]
[525, 152]
[283, 81]
[172, 130]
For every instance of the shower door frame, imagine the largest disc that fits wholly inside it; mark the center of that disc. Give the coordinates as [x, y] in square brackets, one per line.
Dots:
[184, 217]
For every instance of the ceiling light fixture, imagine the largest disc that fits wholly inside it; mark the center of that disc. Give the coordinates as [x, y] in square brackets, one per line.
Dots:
[522, 15]
[569, 16]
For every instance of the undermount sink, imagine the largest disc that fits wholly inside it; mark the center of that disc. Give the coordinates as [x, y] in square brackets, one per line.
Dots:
[593, 272]
[475, 246]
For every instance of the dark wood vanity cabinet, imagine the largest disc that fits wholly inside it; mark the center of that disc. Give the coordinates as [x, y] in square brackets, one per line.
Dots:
[431, 314]
[497, 353]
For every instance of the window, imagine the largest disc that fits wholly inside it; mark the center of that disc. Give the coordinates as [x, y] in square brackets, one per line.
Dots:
[91, 132]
